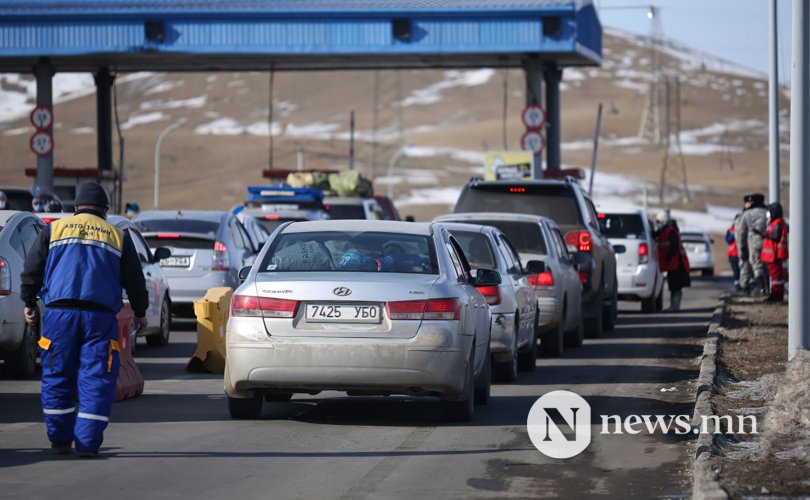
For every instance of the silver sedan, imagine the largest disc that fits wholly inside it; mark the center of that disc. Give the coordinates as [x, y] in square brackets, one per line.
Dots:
[366, 307]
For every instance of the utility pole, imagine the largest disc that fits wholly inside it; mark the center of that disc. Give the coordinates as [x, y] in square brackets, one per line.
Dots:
[168, 130]
[798, 312]
[775, 180]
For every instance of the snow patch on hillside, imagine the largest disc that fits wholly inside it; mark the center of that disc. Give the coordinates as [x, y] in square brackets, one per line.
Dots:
[134, 120]
[433, 93]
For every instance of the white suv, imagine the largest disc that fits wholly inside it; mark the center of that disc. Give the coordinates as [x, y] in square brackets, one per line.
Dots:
[631, 234]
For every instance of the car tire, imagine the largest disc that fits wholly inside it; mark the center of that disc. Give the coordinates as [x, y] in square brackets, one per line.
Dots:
[278, 397]
[611, 312]
[659, 301]
[593, 323]
[462, 410]
[249, 408]
[648, 305]
[22, 363]
[483, 383]
[162, 337]
[551, 343]
[575, 337]
[708, 272]
[507, 371]
[527, 359]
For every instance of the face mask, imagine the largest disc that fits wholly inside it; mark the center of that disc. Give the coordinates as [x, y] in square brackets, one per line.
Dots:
[39, 207]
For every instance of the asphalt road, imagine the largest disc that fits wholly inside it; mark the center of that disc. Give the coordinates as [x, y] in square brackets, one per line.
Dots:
[177, 440]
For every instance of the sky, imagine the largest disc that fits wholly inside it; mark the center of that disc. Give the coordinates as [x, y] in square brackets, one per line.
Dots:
[736, 30]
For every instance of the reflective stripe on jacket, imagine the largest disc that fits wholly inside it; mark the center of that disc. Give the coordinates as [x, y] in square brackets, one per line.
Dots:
[84, 262]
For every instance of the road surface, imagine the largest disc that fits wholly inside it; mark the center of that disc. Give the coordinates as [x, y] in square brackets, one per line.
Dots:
[177, 440]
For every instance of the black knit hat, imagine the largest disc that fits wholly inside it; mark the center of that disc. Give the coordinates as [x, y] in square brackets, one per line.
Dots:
[91, 193]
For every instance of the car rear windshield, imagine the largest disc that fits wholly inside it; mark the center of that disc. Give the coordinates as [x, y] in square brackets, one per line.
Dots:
[343, 251]
[346, 211]
[554, 201]
[477, 249]
[272, 224]
[180, 226]
[19, 200]
[525, 237]
[628, 226]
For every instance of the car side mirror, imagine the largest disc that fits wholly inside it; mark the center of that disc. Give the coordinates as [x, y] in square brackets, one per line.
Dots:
[583, 261]
[619, 248]
[535, 267]
[410, 218]
[161, 253]
[487, 277]
[243, 273]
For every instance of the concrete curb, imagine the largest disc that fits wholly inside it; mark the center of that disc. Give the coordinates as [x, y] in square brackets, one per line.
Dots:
[705, 484]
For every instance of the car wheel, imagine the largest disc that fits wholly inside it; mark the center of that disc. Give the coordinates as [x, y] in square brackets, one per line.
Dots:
[527, 359]
[249, 408]
[659, 301]
[611, 312]
[162, 337]
[575, 337]
[462, 410]
[278, 397]
[708, 272]
[507, 371]
[593, 324]
[648, 305]
[483, 383]
[22, 363]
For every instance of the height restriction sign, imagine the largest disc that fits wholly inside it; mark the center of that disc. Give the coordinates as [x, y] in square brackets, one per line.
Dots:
[534, 117]
[42, 118]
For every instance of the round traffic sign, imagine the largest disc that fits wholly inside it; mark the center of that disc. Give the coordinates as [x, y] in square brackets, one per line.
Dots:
[533, 141]
[534, 117]
[42, 118]
[41, 143]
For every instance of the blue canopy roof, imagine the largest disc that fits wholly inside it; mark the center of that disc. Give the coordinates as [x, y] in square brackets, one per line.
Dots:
[129, 35]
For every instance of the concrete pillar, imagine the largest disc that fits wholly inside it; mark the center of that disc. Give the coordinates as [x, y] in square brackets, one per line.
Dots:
[43, 72]
[534, 95]
[774, 176]
[553, 76]
[104, 81]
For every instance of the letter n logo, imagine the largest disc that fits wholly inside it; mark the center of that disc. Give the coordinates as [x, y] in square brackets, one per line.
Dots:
[559, 424]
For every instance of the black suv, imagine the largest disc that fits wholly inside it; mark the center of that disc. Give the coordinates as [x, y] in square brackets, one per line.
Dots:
[571, 208]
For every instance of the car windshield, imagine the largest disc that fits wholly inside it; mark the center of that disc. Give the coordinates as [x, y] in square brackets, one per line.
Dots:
[476, 248]
[553, 201]
[346, 211]
[330, 251]
[525, 237]
[628, 226]
[180, 226]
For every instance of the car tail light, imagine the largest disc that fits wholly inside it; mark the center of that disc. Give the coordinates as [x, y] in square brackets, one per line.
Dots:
[432, 309]
[5, 277]
[643, 253]
[263, 307]
[517, 190]
[542, 279]
[581, 240]
[168, 236]
[48, 220]
[220, 262]
[442, 309]
[491, 293]
[272, 217]
[583, 277]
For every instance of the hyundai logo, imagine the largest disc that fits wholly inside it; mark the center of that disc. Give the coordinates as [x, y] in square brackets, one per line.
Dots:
[342, 291]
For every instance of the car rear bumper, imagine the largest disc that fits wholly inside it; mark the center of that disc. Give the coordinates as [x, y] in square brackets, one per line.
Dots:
[637, 285]
[701, 262]
[11, 327]
[434, 362]
[185, 291]
[550, 313]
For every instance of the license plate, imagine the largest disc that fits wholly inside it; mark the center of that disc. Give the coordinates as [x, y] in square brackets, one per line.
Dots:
[175, 261]
[343, 313]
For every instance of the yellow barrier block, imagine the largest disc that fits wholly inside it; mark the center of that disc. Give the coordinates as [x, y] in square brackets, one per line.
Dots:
[212, 317]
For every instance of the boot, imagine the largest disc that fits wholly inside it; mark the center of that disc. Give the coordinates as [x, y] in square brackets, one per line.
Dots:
[761, 286]
[675, 301]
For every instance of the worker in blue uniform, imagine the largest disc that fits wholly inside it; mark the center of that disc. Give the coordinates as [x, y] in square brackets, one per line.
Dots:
[78, 267]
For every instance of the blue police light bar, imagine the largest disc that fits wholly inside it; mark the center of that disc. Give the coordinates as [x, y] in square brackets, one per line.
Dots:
[283, 194]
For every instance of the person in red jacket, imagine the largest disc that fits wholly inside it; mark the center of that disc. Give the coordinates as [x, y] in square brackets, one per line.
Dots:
[733, 254]
[775, 251]
[672, 259]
